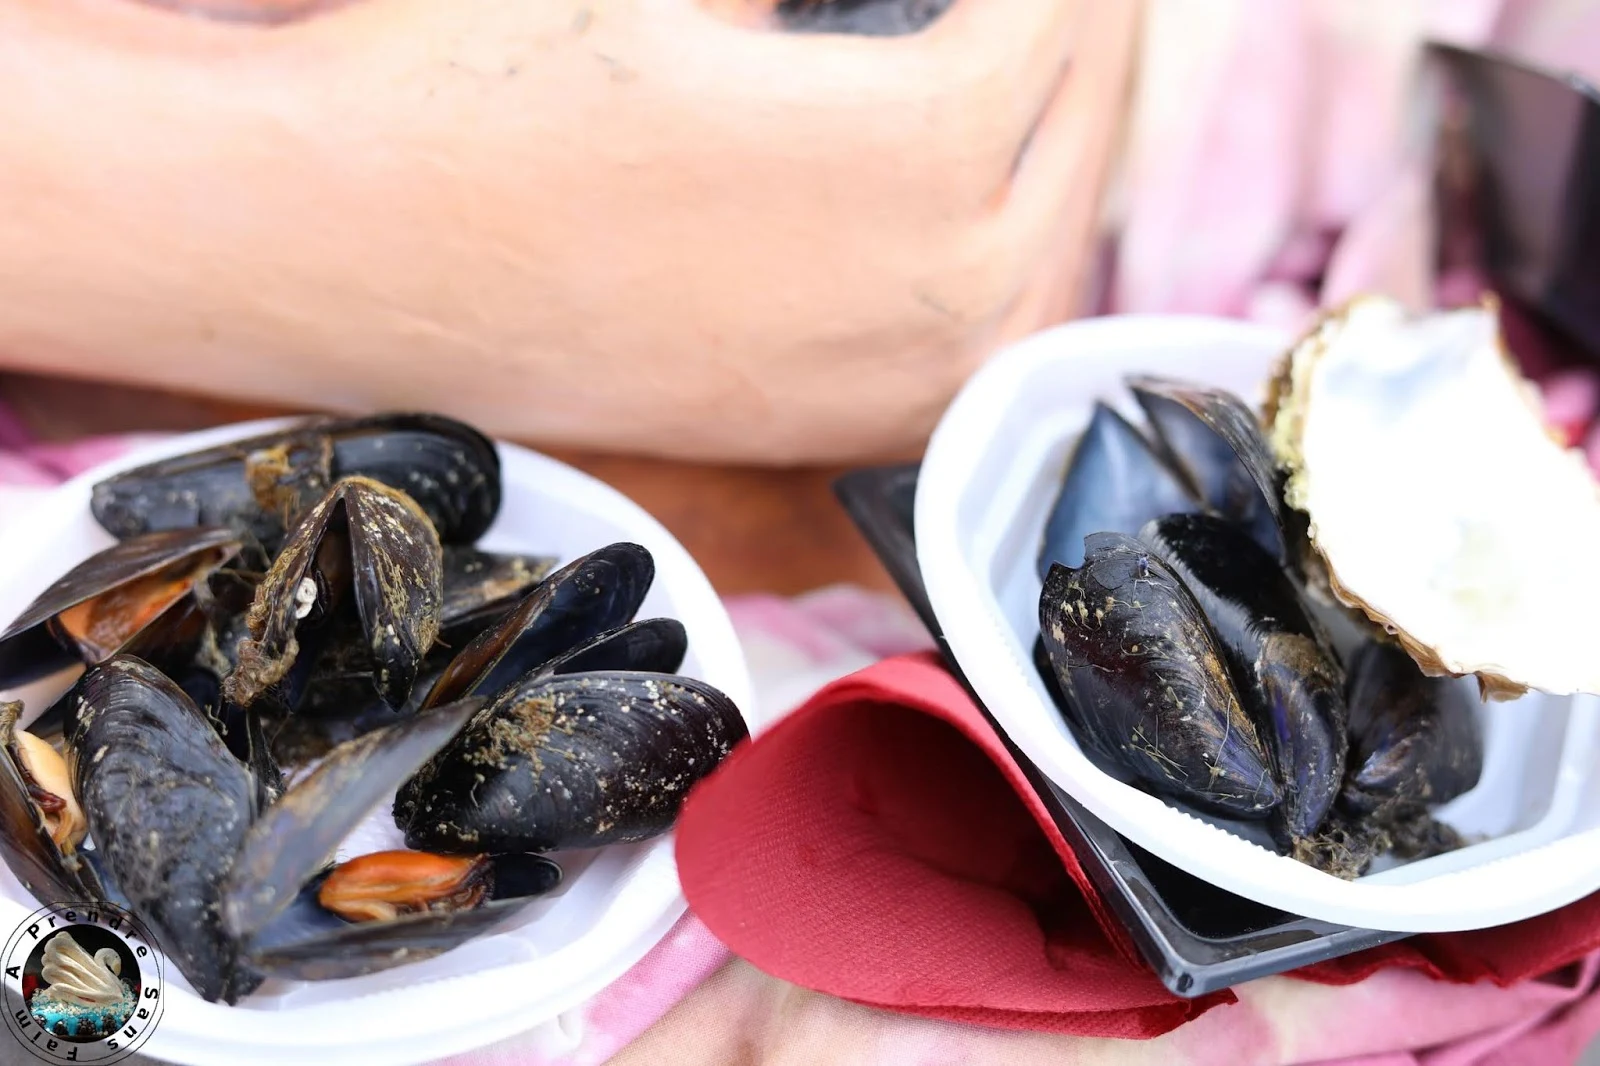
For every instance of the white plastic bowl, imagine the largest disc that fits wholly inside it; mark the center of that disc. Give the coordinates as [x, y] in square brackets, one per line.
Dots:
[614, 905]
[991, 473]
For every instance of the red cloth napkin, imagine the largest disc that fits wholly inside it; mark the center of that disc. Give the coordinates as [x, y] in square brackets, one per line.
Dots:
[881, 845]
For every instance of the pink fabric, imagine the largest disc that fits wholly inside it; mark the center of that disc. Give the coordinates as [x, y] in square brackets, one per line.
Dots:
[1279, 143]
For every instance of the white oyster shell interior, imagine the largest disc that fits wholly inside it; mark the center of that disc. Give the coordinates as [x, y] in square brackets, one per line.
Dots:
[1437, 499]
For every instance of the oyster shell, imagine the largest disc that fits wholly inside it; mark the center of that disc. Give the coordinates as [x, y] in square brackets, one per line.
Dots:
[1436, 501]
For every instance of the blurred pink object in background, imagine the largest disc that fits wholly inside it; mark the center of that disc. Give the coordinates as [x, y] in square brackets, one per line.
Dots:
[1279, 162]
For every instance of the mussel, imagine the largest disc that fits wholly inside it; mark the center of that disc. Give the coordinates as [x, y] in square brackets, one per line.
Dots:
[1415, 740]
[1191, 658]
[383, 885]
[1283, 671]
[1214, 438]
[1415, 744]
[480, 587]
[148, 595]
[570, 761]
[1135, 657]
[589, 596]
[388, 908]
[260, 486]
[589, 737]
[41, 821]
[364, 568]
[1115, 482]
[186, 835]
[1207, 455]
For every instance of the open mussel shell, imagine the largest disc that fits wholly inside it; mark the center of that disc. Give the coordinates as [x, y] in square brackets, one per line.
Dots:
[147, 586]
[183, 832]
[261, 485]
[1135, 657]
[1215, 440]
[308, 942]
[291, 840]
[1287, 678]
[589, 596]
[1115, 482]
[480, 587]
[363, 564]
[48, 866]
[570, 761]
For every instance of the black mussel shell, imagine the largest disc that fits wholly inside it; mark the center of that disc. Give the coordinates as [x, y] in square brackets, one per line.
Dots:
[291, 840]
[1108, 759]
[365, 566]
[340, 705]
[589, 596]
[1415, 743]
[337, 708]
[570, 761]
[260, 486]
[449, 468]
[1214, 438]
[217, 487]
[1415, 740]
[653, 646]
[868, 18]
[1134, 654]
[1285, 675]
[309, 943]
[39, 864]
[1115, 483]
[480, 587]
[168, 807]
[150, 587]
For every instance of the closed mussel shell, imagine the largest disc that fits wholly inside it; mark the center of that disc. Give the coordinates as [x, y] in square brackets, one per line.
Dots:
[570, 761]
[1415, 740]
[1288, 680]
[1138, 662]
[219, 486]
[168, 807]
[450, 469]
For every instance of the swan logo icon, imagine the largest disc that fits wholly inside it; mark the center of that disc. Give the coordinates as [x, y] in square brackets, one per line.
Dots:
[82, 983]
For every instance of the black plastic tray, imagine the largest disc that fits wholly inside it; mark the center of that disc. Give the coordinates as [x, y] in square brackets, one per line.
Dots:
[1533, 138]
[1197, 937]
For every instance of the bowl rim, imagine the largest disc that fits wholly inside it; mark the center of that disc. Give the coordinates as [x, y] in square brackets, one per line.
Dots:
[978, 635]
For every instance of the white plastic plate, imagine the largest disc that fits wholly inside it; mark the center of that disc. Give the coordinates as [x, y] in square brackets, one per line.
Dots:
[990, 476]
[613, 906]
